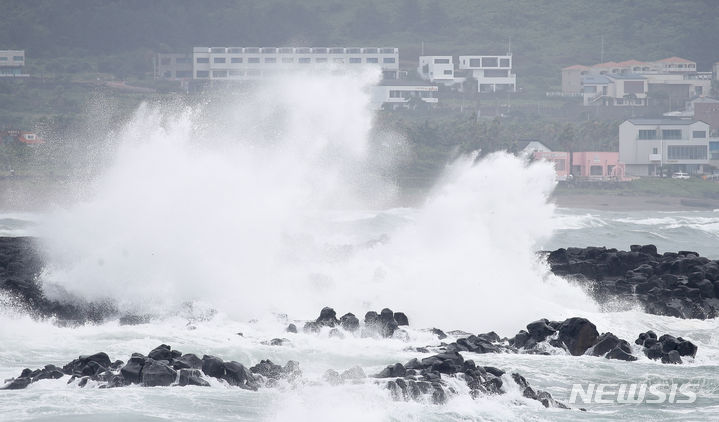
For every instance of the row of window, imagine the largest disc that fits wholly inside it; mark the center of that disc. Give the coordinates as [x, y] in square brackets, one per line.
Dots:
[289, 60]
[687, 152]
[14, 58]
[489, 62]
[301, 50]
[410, 94]
[670, 134]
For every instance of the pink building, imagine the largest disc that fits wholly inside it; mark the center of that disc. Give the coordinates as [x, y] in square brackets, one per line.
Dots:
[585, 164]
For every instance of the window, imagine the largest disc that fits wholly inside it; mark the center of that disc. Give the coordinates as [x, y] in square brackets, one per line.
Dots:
[252, 50]
[370, 51]
[619, 101]
[699, 134]
[183, 73]
[495, 73]
[441, 61]
[355, 60]
[596, 171]
[338, 60]
[3, 59]
[288, 60]
[269, 50]
[655, 150]
[337, 50]
[302, 51]
[270, 60]
[475, 63]
[203, 73]
[236, 60]
[504, 63]
[372, 60]
[219, 60]
[387, 51]
[321, 60]
[688, 152]
[671, 134]
[236, 73]
[219, 73]
[590, 89]
[285, 50]
[253, 60]
[217, 50]
[319, 51]
[490, 62]
[167, 74]
[354, 51]
[304, 60]
[647, 134]
[634, 87]
[203, 60]
[235, 50]
[388, 60]
[448, 72]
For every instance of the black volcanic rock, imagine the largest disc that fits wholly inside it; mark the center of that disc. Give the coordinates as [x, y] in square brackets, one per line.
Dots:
[682, 284]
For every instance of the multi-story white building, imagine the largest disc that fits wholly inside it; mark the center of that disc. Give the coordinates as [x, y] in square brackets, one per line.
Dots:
[436, 69]
[647, 146]
[248, 63]
[493, 73]
[12, 63]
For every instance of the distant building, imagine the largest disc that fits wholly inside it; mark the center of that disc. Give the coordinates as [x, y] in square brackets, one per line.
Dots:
[707, 110]
[646, 146]
[15, 135]
[673, 77]
[252, 63]
[615, 90]
[12, 63]
[493, 73]
[403, 94]
[436, 69]
[528, 147]
[590, 165]
[173, 66]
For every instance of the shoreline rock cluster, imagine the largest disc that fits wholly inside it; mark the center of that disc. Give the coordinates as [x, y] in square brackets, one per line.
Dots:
[681, 284]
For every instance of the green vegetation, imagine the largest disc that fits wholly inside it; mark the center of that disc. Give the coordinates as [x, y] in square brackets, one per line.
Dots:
[648, 186]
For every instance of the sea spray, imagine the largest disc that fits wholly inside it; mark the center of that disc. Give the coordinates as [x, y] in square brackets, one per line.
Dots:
[234, 208]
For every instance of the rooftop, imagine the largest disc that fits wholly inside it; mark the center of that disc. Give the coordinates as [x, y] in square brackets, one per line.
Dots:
[661, 121]
[595, 79]
[674, 59]
[626, 76]
[576, 66]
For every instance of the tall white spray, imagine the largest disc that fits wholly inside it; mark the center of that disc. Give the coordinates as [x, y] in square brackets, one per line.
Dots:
[236, 208]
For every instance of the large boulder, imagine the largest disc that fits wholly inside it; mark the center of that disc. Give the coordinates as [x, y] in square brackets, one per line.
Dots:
[327, 318]
[132, 371]
[577, 335]
[157, 374]
[236, 374]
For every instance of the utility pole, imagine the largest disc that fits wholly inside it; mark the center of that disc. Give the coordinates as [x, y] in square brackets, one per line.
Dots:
[602, 54]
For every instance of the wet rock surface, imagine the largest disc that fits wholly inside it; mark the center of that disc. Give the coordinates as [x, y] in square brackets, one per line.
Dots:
[681, 284]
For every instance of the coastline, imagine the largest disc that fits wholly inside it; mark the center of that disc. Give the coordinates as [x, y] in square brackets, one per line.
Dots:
[615, 202]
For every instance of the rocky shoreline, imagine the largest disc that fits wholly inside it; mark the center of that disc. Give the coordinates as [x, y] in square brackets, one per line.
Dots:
[681, 284]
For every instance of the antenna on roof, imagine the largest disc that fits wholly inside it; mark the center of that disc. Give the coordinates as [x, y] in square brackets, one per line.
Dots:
[509, 46]
[602, 57]
[422, 48]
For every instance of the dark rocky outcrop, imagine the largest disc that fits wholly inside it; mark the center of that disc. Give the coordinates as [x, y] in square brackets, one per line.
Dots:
[682, 284]
[667, 348]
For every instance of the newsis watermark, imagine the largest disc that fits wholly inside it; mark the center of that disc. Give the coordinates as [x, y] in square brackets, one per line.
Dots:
[635, 393]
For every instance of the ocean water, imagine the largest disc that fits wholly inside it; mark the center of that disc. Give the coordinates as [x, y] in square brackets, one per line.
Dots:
[245, 220]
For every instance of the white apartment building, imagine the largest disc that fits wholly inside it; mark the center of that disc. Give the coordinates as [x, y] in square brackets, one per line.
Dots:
[12, 63]
[173, 66]
[493, 73]
[648, 145]
[248, 63]
[436, 69]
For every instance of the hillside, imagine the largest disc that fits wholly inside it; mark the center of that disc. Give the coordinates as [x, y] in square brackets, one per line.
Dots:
[545, 35]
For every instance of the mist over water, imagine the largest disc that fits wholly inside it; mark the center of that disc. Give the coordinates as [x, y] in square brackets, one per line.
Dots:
[239, 209]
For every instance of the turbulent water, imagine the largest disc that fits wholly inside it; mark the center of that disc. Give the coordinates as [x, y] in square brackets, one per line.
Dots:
[245, 220]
